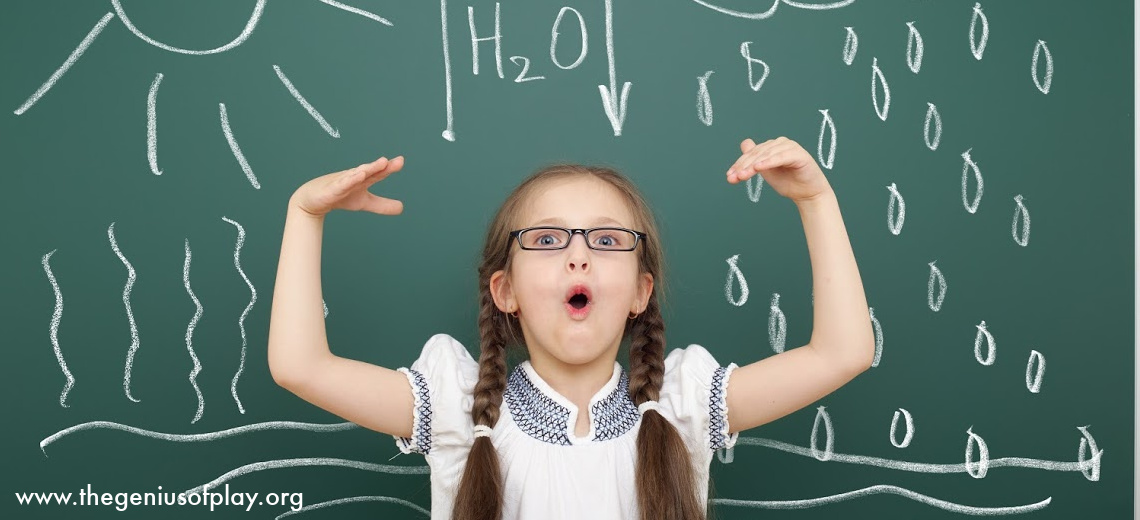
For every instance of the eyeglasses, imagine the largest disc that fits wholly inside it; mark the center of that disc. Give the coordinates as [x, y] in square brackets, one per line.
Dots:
[601, 239]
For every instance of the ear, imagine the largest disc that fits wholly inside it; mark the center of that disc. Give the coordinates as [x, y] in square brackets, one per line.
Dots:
[644, 291]
[501, 292]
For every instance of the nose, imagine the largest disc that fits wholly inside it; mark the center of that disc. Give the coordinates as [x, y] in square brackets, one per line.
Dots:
[577, 253]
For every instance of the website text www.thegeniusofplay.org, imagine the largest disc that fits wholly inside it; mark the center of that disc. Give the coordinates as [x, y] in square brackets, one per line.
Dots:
[196, 497]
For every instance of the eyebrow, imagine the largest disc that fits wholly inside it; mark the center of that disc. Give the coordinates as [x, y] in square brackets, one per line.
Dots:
[559, 221]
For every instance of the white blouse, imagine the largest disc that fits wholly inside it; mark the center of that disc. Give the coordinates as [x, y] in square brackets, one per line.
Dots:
[549, 472]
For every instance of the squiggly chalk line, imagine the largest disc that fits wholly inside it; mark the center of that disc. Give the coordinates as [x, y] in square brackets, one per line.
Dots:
[130, 314]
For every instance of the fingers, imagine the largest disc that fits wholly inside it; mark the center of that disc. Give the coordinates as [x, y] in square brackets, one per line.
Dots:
[384, 170]
[770, 154]
[383, 206]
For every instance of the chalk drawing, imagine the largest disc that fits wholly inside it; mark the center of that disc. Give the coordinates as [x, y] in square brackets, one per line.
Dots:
[913, 48]
[908, 422]
[772, 10]
[884, 489]
[75, 54]
[969, 165]
[777, 325]
[235, 148]
[152, 125]
[932, 116]
[753, 83]
[190, 334]
[244, 313]
[978, 44]
[554, 38]
[991, 345]
[53, 331]
[896, 210]
[1034, 371]
[611, 102]
[935, 302]
[361, 12]
[305, 103]
[241, 38]
[130, 313]
[1042, 84]
[353, 500]
[1020, 216]
[704, 104]
[735, 274]
[878, 336]
[304, 462]
[878, 81]
[198, 437]
[826, 127]
[850, 46]
[821, 416]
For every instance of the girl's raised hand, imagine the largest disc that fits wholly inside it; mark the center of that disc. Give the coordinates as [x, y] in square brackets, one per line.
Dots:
[782, 163]
[348, 190]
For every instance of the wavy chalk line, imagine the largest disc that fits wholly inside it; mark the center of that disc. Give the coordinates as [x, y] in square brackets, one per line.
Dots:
[130, 313]
[244, 313]
[349, 500]
[56, 316]
[190, 333]
[198, 437]
[312, 461]
[884, 489]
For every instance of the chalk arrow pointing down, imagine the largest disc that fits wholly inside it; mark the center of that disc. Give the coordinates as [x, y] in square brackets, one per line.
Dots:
[613, 104]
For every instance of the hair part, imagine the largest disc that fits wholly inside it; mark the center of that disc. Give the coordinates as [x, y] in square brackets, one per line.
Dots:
[666, 485]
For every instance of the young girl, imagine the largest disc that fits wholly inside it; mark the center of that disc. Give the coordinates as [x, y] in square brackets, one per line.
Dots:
[569, 433]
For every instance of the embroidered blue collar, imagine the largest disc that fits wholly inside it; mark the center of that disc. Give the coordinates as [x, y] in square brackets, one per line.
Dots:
[546, 415]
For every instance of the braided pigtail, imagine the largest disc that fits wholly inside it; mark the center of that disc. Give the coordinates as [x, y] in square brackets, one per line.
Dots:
[666, 485]
[480, 495]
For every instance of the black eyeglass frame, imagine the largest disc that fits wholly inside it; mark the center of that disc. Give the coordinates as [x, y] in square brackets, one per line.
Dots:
[638, 236]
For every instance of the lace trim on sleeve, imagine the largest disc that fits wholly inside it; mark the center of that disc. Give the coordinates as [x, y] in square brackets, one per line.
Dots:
[420, 441]
[718, 410]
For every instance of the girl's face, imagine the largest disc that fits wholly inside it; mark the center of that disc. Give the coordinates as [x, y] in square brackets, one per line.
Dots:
[540, 282]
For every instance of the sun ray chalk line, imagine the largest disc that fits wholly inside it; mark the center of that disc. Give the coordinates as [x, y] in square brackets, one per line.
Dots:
[75, 54]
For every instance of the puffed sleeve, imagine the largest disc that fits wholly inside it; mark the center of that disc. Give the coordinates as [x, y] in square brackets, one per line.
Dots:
[443, 381]
[693, 395]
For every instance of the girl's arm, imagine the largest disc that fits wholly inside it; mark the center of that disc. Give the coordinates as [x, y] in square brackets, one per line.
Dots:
[299, 357]
[842, 342]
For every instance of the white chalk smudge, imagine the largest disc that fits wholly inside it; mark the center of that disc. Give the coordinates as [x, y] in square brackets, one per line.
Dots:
[909, 423]
[735, 274]
[978, 46]
[130, 313]
[704, 102]
[241, 38]
[826, 126]
[75, 54]
[190, 333]
[235, 148]
[305, 103]
[932, 301]
[1034, 371]
[152, 125]
[244, 313]
[56, 316]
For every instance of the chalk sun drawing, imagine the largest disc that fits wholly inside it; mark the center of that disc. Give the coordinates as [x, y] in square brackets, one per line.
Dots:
[878, 337]
[190, 333]
[130, 313]
[704, 103]
[932, 116]
[850, 46]
[978, 44]
[198, 437]
[932, 301]
[305, 103]
[821, 416]
[1020, 216]
[53, 330]
[753, 83]
[152, 125]
[879, 81]
[1042, 84]
[735, 274]
[826, 126]
[241, 38]
[75, 55]
[884, 489]
[1034, 371]
[991, 345]
[969, 165]
[235, 148]
[909, 424]
[244, 313]
[980, 468]
[354, 500]
[302, 462]
[777, 325]
[759, 15]
[896, 210]
[913, 48]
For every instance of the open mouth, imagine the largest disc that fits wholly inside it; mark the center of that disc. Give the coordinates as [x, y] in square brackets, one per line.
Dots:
[578, 301]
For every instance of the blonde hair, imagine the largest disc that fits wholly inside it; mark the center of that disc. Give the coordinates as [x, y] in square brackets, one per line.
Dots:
[665, 480]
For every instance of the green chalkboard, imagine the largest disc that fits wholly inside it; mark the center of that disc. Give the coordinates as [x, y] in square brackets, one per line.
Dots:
[149, 149]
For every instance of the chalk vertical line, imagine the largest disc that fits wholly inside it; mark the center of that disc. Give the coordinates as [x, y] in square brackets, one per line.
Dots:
[56, 316]
[130, 313]
[152, 125]
[358, 11]
[449, 132]
[75, 54]
[190, 333]
[704, 102]
[244, 313]
[304, 103]
[235, 148]
[777, 324]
